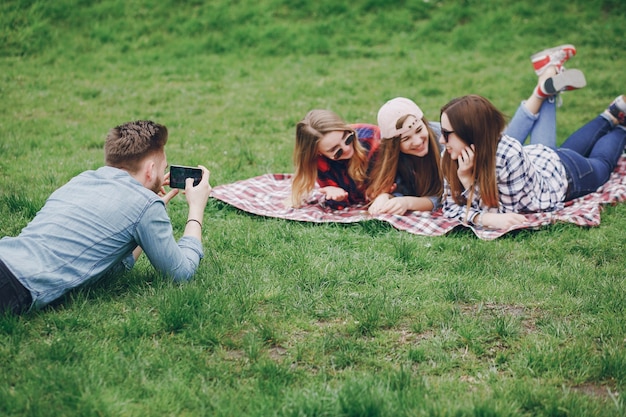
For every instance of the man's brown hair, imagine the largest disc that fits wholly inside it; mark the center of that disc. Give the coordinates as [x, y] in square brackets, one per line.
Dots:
[127, 145]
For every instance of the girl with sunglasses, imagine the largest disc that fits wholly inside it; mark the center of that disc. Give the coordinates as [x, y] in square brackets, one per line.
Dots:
[334, 154]
[491, 179]
[406, 174]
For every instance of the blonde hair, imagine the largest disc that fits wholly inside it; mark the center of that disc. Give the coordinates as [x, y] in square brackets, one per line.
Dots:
[477, 122]
[309, 132]
[421, 175]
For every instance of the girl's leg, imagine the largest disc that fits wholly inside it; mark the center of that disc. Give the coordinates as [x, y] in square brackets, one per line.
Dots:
[537, 115]
[540, 126]
[609, 148]
[544, 131]
[591, 154]
[584, 139]
[587, 174]
[616, 111]
[533, 117]
[521, 124]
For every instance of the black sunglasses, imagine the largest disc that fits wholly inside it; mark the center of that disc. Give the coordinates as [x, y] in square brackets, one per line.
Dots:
[446, 133]
[347, 140]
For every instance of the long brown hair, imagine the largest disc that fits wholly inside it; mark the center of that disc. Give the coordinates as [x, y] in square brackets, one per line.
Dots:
[309, 131]
[421, 175]
[476, 121]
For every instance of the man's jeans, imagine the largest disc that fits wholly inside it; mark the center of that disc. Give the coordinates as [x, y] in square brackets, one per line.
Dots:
[13, 296]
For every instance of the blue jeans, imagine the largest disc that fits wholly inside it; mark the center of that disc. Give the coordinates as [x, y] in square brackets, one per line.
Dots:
[590, 155]
[13, 296]
[541, 126]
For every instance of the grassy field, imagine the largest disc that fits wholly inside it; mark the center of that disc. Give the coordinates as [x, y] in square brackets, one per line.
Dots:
[297, 319]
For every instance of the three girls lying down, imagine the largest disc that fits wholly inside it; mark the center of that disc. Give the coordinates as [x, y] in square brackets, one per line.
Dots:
[471, 164]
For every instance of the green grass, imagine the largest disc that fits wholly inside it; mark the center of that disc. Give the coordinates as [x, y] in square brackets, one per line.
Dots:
[299, 319]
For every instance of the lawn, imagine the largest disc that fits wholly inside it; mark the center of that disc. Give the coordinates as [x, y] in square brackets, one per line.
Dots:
[299, 319]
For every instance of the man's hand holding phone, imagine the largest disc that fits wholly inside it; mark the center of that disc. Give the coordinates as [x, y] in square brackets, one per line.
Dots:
[178, 176]
[197, 190]
[195, 182]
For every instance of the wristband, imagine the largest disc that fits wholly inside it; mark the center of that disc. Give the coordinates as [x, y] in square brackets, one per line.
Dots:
[194, 220]
[477, 220]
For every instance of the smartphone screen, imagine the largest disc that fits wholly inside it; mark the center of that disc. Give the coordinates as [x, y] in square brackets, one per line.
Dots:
[179, 173]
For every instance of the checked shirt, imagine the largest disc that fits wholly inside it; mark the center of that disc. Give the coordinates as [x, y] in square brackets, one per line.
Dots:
[530, 179]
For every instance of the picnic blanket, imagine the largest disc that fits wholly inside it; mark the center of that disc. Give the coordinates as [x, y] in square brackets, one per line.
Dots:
[265, 196]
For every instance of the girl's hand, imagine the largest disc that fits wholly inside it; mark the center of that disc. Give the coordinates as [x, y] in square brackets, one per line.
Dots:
[398, 206]
[466, 166]
[334, 193]
[379, 203]
[502, 220]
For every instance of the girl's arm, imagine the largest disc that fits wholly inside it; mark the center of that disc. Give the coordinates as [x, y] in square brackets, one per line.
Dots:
[334, 193]
[333, 183]
[387, 204]
[497, 220]
[451, 209]
[516, 177]
[476, 216]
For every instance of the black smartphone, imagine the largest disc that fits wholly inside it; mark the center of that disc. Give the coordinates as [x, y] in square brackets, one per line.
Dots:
[179, 173]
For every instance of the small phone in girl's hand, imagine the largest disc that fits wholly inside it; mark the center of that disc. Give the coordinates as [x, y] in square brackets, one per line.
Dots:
[179, 173]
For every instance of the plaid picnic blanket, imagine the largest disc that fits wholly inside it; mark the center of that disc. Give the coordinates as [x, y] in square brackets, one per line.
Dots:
[265, 196]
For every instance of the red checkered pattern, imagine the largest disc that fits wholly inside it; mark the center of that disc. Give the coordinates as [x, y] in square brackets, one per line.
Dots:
[265, 196]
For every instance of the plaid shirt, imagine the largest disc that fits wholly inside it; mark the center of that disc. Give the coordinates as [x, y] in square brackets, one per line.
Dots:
[335, 173]
[530, 179]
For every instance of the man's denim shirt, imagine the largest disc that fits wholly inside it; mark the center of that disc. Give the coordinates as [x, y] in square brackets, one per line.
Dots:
[89, 227]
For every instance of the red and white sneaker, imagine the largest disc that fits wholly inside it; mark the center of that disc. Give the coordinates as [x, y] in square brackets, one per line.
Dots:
[556, 56]
[618, 109]
[566, 80]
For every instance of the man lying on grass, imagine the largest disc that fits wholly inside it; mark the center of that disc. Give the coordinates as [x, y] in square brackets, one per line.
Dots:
[101, 221]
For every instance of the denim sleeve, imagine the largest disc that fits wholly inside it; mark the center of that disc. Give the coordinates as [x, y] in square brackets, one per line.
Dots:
[436, 127]
[154, 234]
[125, 265]
[436, 200]
[128, 262]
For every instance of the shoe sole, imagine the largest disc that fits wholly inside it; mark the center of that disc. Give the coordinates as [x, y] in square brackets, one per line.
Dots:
[549, 51]
[567, 80]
